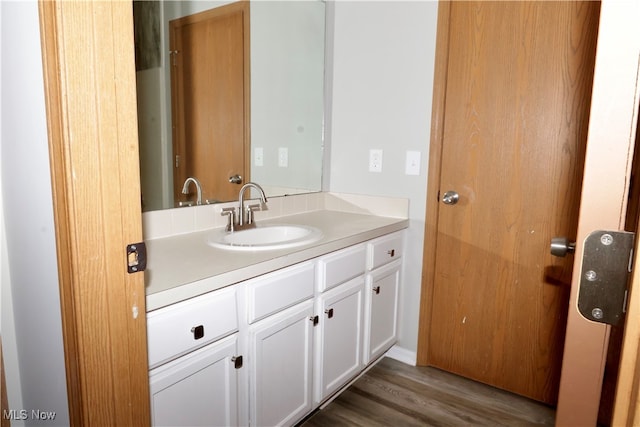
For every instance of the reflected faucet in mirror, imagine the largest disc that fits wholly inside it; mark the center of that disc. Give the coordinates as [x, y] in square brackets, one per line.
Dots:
[185, 189]
[245, 215]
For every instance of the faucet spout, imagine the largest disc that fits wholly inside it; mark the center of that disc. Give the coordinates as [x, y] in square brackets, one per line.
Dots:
[185, 189]
[241, 214]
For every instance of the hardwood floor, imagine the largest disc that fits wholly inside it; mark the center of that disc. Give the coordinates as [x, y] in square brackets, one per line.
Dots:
[395, 394]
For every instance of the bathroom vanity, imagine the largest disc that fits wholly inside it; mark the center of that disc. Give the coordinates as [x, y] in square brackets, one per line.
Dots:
[264, 337]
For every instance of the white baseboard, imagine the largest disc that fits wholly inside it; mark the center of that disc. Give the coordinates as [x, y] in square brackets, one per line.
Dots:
[402, 355]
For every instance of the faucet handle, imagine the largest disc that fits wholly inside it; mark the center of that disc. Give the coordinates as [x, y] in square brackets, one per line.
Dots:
[231, 213]
[252, 208]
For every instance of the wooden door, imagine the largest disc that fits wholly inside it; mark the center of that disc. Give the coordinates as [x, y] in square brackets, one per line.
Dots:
[210, 100]
[516, 104]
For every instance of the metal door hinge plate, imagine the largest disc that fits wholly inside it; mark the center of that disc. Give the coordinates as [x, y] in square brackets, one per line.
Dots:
[606, 265]
[136, 257]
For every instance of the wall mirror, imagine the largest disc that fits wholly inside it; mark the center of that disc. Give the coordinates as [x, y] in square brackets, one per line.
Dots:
[276, 87]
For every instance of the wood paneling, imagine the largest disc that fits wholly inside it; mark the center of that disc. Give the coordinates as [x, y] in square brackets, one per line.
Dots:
[90, 91]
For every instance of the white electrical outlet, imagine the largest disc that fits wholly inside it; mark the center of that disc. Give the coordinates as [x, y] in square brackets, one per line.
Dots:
[283, 157]
[258, 156]
[412, 166]
[375, 160]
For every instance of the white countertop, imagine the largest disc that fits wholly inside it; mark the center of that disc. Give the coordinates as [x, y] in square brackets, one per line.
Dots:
[185, 266]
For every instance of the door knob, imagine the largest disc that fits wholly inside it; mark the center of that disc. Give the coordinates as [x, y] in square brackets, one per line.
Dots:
[235, 179]
[561, 246]
[450, 198]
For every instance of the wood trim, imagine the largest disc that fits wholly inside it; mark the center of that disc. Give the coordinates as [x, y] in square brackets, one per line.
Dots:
[433, 180]
[610, 146]
[90, 100]
[4, 402]
[627, 403]
[247, 91]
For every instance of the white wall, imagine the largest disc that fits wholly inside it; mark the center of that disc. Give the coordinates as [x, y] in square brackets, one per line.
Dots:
[28, 216]
[383, 57]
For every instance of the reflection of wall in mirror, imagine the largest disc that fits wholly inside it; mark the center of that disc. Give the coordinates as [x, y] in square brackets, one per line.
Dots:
[302, 104]
[287, 67]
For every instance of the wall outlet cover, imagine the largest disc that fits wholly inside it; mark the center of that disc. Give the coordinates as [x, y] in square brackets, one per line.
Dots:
[375, 160]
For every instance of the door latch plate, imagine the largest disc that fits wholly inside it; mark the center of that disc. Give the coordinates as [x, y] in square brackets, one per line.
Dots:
[606, 265]
[136, 257]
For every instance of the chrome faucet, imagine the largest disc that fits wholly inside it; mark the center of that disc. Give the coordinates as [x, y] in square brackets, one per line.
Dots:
[245, 216]
[185, 189]
[249, 211]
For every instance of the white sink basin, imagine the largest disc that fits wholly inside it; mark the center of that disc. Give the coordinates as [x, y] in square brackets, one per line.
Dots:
[267, 237]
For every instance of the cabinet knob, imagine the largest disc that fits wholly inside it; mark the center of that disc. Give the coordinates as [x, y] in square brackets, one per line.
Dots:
[376, 290]
[198, 332]
[392, 252]
[237, 362]
[329, 313]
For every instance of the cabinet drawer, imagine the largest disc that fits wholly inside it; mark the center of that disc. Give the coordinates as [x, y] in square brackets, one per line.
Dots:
[341, 266]
[384, 249]
[276, 291]
[190, 324]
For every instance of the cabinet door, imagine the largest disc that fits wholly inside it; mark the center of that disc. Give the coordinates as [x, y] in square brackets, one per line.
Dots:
[281, 363]
[198, 389]
[381, 310]
[339, 339]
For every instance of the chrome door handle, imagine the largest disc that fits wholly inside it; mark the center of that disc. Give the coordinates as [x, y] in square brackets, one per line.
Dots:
[561, 246]
[235, 179]
[450, 198]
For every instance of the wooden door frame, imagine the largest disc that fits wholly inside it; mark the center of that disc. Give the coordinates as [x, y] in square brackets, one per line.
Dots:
[90, 87]
[577, 405]
[607, 174]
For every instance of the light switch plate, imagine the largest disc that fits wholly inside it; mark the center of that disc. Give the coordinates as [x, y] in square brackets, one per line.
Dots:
[258, 156]
[412, 166]
[283, 157]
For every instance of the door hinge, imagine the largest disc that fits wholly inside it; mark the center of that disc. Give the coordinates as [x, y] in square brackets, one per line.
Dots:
[606, 267]
[237, 362]
[136, 257]
[177, 161]
[173, 54]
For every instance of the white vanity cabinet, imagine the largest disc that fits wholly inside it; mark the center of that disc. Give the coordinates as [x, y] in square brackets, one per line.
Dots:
[339, 337]
[269, 350]
[280, 312]
[193, 352]
[198, 389]
[339, 307]
[381, 295]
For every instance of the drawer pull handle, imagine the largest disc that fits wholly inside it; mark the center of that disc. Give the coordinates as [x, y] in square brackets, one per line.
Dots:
[314, 320]
[329, 313]
[198, 332]
[392, 252]
[376, 290]
[237, 362]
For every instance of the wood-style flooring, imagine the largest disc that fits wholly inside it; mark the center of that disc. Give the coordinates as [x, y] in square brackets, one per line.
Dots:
[395, 394]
